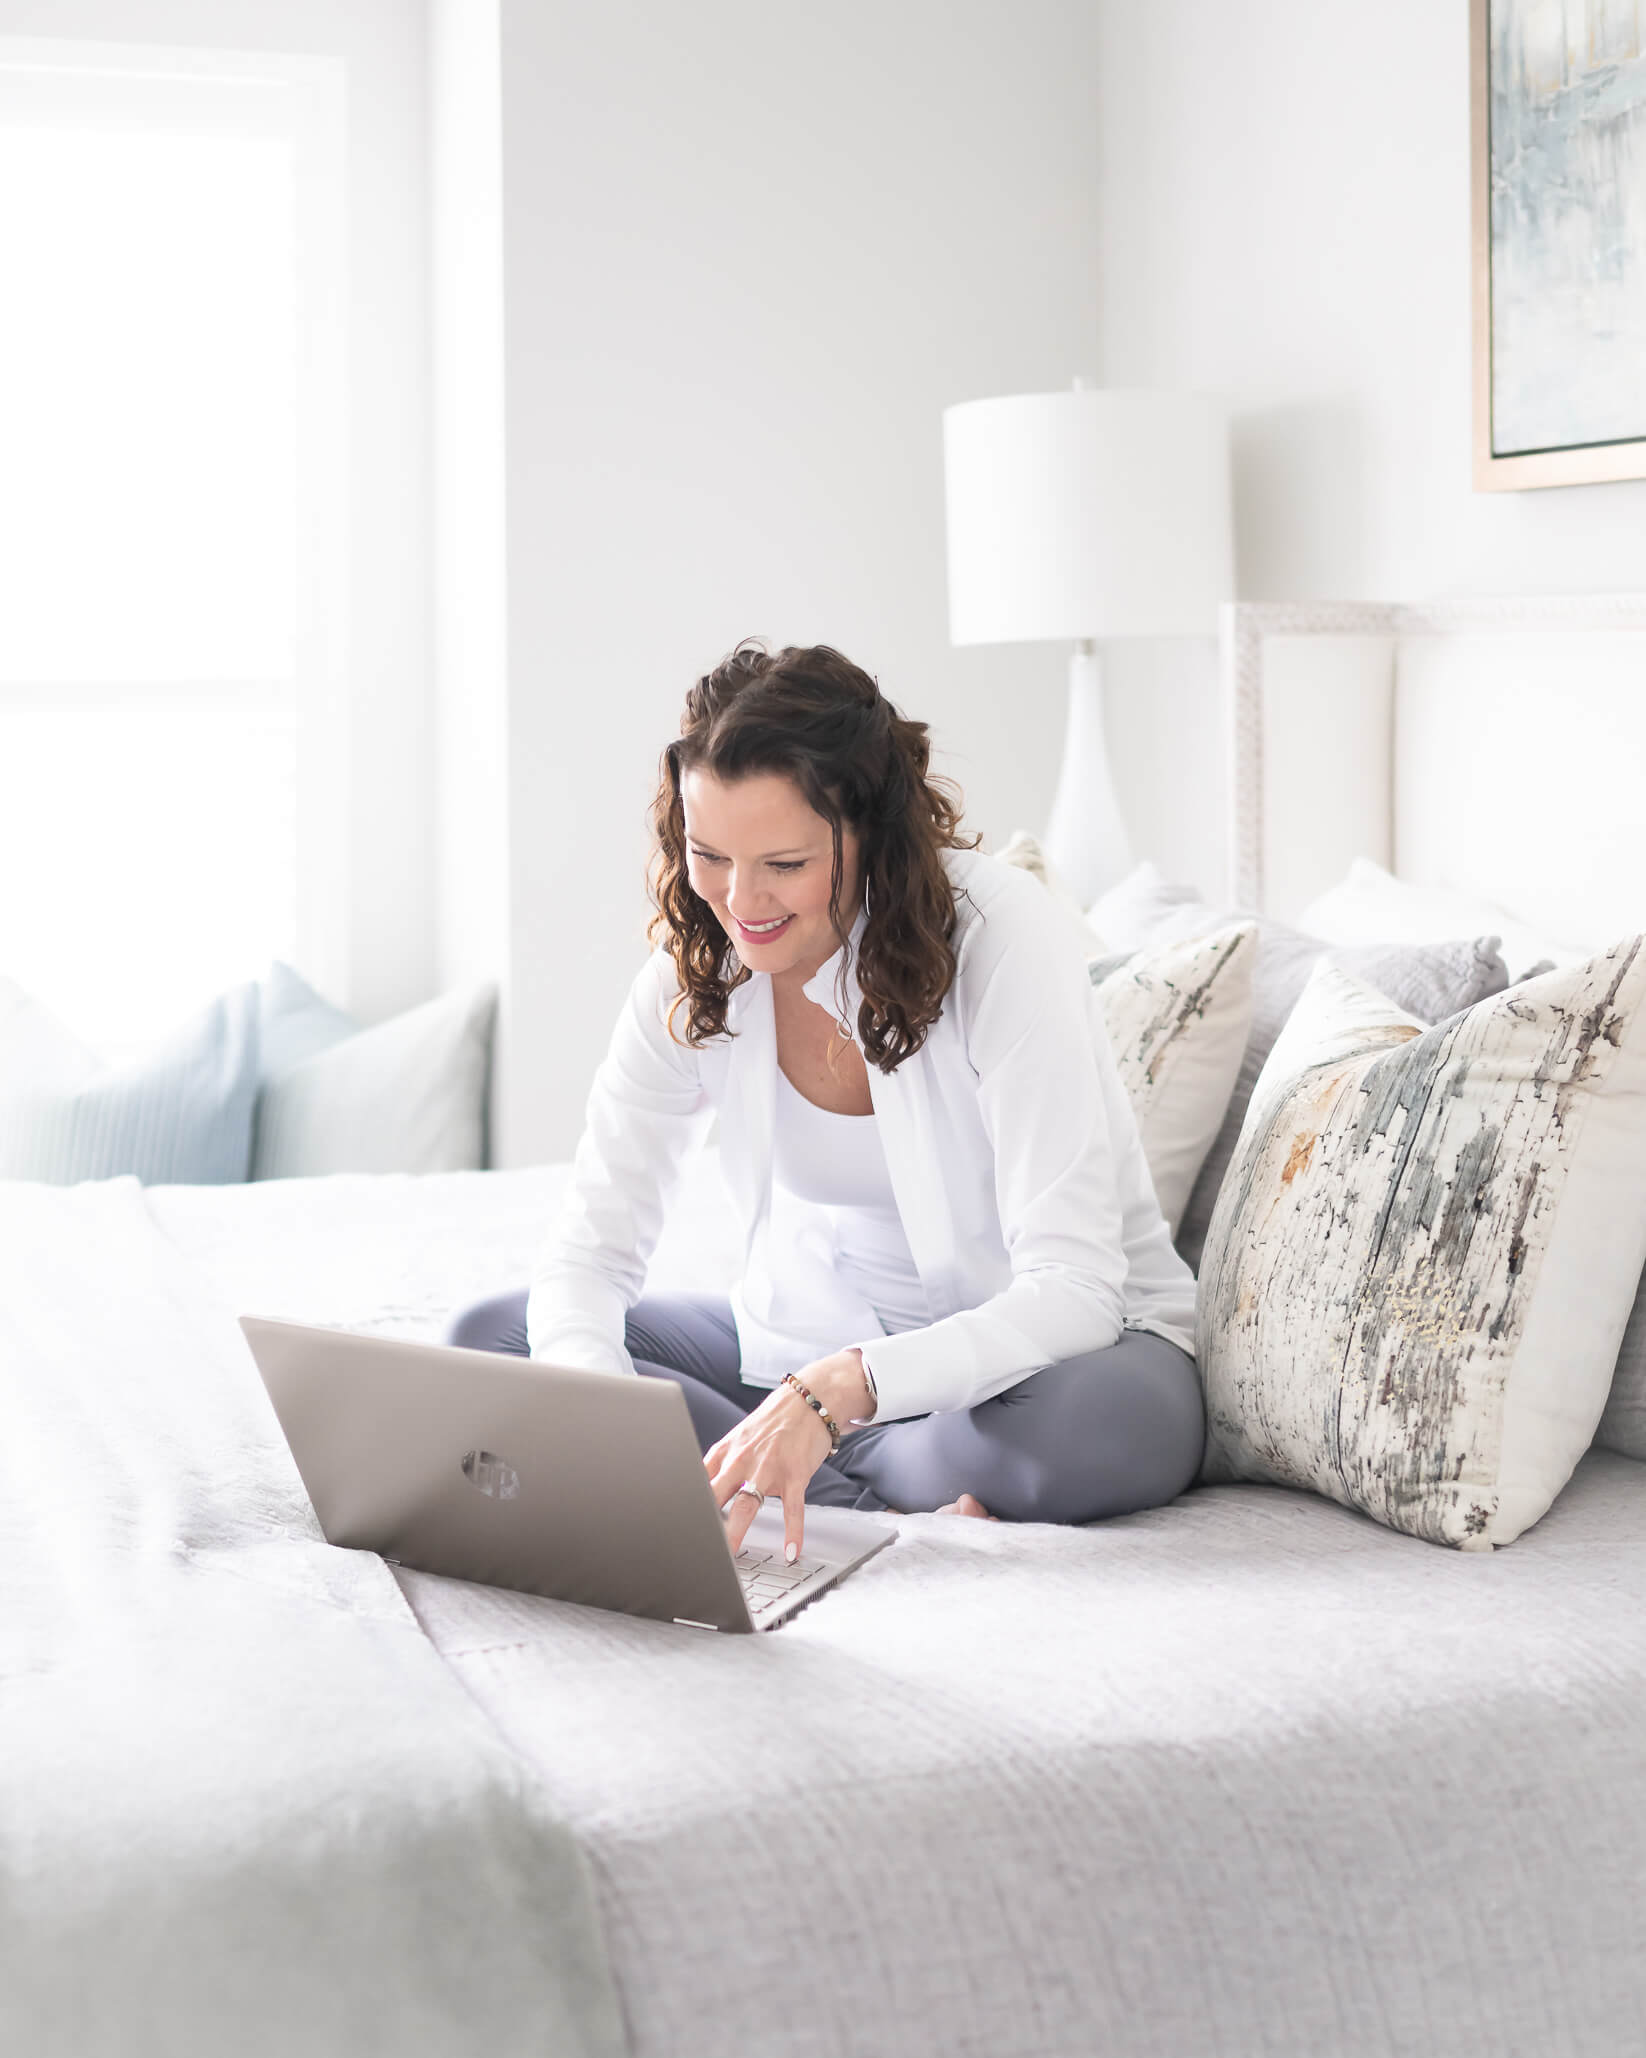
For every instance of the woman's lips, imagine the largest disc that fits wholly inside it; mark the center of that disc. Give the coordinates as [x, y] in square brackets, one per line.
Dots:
[763, 935]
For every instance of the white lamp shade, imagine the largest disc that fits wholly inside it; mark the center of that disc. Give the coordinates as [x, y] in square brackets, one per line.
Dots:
[1087, 514]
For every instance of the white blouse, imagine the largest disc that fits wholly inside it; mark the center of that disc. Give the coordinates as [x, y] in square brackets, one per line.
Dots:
[1021, 1185]
[839, 1162]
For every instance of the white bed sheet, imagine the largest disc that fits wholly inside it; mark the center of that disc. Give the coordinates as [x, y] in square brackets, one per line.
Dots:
[244, 1808]
[1246, 1775]
[398, 1254]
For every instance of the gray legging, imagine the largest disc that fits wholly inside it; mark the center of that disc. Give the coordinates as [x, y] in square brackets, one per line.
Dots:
[1105, 1433]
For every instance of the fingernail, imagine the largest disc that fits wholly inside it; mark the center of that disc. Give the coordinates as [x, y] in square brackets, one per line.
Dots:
[791, 1552]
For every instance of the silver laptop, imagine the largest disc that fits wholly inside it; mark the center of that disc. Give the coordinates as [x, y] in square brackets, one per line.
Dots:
[505, 1470]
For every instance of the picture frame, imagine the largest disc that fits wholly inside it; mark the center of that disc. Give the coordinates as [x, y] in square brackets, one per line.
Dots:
[1559, 363]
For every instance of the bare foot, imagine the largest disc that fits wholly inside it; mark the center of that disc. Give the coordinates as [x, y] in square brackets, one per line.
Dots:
[968, 1504]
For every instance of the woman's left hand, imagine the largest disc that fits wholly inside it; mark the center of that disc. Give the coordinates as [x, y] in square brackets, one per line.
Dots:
[778, 1447]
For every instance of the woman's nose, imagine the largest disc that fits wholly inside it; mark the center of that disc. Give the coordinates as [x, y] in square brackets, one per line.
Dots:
[750, 913]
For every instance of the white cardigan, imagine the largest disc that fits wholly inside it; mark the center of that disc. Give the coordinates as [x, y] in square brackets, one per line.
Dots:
[1013, 1154]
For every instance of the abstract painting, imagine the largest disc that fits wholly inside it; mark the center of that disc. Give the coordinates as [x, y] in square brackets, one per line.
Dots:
[1560, 241]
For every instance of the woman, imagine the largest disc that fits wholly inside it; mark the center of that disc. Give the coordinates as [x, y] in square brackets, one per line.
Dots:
[958, 1291]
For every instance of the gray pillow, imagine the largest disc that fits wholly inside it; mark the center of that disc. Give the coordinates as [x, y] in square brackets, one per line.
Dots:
[1429, 980]
[1623, 1426]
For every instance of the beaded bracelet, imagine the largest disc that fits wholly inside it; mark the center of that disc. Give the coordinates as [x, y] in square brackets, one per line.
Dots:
[811, 1400]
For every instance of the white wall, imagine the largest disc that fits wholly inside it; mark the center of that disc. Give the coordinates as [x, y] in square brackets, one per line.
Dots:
[750, 254]
[386, 958]
[471, 840]
[1285, 217]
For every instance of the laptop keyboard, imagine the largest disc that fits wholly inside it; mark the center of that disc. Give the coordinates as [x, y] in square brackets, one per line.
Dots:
[766, 1579]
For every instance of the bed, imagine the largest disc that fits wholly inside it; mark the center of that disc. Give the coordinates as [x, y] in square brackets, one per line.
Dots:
[1249, 1774]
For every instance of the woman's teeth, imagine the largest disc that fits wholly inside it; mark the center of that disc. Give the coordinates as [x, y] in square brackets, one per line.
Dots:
[764, 928]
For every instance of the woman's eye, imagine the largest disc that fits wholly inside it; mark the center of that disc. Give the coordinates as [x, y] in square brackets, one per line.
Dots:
[778, 864]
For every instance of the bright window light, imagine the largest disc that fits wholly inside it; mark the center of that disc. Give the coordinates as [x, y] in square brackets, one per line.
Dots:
[171, 439]
[147, 406]
[155, 852]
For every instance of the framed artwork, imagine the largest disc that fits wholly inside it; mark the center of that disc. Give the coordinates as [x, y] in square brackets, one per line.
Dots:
[1558, 120]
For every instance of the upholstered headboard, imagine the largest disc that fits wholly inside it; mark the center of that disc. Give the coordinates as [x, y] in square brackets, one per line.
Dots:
[1497, 747]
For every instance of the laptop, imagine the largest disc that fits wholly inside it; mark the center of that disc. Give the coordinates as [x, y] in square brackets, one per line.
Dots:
[511, 1472]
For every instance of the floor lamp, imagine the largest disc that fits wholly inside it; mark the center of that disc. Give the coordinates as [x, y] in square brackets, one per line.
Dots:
[1080, 516]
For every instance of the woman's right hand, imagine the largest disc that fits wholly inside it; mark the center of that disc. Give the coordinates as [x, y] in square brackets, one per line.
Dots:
[775, 1450]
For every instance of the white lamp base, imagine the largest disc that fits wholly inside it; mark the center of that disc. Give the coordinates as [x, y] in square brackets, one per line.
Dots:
[1085, 837]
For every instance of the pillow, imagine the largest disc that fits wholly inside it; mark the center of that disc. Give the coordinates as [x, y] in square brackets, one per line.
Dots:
[1430, 980]
[1178, 1016]
[1145, 907]
[1024, 851]
[298, 1023]
[180, 1114]
[408, 1095]
[1370, 905]
[1623, 1425]
[1424, 1255]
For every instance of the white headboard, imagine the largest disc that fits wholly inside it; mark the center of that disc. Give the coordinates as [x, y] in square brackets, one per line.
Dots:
[1497, 747]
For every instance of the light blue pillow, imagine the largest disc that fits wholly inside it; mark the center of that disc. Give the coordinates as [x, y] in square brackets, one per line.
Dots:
[180, 1115]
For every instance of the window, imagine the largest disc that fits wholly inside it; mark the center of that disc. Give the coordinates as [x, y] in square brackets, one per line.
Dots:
[171, 524]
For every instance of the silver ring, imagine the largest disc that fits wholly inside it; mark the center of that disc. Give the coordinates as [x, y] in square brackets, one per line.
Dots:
[752, 1490]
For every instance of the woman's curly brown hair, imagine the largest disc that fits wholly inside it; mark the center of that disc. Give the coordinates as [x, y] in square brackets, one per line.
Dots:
[814, 716]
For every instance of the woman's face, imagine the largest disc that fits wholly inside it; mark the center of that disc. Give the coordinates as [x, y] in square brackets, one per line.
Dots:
[758, 853]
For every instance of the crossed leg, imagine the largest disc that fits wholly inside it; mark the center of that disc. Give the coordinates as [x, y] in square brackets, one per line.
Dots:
[1106, 1433]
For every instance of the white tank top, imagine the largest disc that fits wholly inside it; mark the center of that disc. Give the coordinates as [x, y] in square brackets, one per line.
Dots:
[838, 1162]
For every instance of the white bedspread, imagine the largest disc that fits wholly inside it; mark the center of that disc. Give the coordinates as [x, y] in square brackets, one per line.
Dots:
[244, 1807]
[1248, 1775]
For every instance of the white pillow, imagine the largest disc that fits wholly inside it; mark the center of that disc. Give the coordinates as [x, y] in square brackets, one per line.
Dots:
[1024, 851]
[408, 1095]
[1370, 905]
[1147, 907]
[1423, 1257]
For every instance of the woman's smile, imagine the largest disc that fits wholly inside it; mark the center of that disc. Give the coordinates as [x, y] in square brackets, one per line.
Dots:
[763, 932]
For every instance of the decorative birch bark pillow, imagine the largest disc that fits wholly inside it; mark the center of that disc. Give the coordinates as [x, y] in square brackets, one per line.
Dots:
[1420, 1265]
[1178, 1017]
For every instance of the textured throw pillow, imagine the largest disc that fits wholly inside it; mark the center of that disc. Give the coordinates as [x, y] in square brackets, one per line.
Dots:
[1426, 1250]
[408, 1095]
[1430, 981]
[180, 1114]
[1370, 905]
[1178, 1017]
